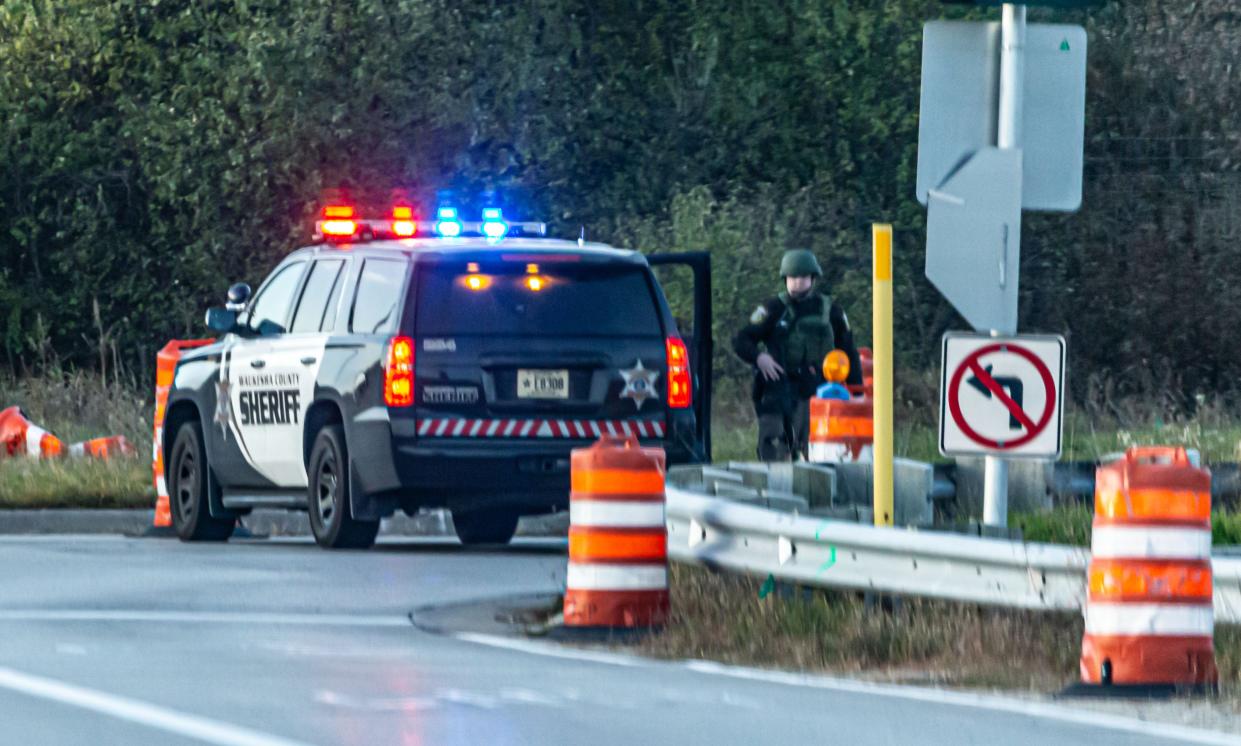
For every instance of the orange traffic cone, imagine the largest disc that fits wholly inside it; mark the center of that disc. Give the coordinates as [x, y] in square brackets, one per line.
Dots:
[20, 436]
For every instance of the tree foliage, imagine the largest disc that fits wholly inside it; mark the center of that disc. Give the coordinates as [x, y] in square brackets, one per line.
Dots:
[156, 151]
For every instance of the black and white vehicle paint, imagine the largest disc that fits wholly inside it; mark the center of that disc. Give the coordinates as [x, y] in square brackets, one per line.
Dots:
[287, 409]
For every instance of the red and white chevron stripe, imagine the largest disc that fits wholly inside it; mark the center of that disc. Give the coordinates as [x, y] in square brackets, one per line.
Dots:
[463, 427]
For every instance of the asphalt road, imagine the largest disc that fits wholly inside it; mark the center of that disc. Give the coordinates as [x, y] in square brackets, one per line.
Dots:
[110, 640]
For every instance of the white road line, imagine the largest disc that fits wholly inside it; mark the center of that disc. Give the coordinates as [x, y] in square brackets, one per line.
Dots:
[1047, 711]
[203, 617]
[143, 713]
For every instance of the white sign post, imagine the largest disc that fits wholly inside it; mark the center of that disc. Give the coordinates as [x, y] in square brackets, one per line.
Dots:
[975, 177]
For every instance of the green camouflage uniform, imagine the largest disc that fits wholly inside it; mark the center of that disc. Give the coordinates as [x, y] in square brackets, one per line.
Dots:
[798, 333]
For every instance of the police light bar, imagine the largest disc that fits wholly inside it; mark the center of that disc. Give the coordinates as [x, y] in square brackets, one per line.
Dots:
[339, 224]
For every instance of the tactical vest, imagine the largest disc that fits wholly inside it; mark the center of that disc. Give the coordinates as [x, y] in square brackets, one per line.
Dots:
[804, 340]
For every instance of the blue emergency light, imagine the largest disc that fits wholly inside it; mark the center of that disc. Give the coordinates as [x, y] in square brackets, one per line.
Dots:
[494, 226]
[448, 224]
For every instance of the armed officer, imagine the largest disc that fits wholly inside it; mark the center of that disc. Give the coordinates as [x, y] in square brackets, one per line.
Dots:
[786, 341]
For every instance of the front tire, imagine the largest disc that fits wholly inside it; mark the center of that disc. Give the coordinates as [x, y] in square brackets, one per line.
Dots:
[330, 498]
[188, 488]
[495, 526]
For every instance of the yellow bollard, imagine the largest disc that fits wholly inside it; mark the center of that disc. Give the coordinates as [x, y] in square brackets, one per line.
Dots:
[883, 375]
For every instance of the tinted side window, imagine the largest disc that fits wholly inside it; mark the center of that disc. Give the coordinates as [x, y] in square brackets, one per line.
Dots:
[377, 300]
[276, 297]
[323, 278]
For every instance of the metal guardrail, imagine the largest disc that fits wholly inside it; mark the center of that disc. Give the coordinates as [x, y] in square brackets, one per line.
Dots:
[812, 551]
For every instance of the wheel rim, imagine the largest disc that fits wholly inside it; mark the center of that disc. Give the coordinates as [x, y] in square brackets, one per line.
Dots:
[326, 486]
[187, 480]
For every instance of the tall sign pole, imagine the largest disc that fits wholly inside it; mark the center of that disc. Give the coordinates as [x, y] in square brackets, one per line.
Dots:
[1008, 137]
[985, 153]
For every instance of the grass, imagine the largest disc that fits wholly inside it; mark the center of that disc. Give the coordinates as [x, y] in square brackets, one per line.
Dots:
[85, 483]
[76, 407]
[1070, 524]
[722, 617]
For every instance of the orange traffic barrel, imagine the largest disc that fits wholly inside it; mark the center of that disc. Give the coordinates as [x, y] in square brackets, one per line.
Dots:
[618, 536]
[841, 430]
[165, 369]
[101, 448]
[21, 437]
[867, 388]
[1149, 615]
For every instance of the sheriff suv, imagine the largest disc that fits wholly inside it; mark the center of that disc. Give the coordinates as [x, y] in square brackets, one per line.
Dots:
[407, 364]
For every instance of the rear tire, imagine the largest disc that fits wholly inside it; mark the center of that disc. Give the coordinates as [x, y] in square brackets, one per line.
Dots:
[495, 526]
[188, 489]
[330, 498]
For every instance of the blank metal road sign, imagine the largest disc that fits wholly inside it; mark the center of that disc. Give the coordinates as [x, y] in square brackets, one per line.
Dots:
[1001, 396]
[960, 105]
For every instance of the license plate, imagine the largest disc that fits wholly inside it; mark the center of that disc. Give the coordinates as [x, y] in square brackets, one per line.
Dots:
[542, 384]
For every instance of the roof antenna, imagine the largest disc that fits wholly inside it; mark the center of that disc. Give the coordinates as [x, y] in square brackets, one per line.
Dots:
[581, 236]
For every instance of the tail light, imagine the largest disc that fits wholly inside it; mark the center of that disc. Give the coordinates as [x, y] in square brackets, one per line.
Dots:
[680, 394]
[399, 374]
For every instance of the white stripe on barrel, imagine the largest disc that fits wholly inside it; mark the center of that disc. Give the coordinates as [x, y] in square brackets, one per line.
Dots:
[1149, 619]
[34, 440]
[604, 577]
[616, 514]
[1162, 542]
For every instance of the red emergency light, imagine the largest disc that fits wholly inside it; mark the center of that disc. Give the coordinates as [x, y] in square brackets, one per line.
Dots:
[338, 221]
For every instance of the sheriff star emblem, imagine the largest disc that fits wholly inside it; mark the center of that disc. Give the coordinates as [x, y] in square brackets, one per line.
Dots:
[639, 384]
[223, 405]
[223, 397]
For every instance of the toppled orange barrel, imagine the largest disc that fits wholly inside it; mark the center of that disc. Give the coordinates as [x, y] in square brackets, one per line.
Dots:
[165, 367]
[618, 537]
[841, 430]
[20, 436]
[1149, 615]
[104, 448]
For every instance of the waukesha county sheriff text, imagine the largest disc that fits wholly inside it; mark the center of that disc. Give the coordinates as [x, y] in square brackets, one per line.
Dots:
[269, 406]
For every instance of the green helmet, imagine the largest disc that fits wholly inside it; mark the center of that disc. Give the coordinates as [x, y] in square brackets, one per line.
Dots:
[800, 263]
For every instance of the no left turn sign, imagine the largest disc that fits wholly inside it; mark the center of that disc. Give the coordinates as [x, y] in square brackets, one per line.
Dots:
[1001, 396]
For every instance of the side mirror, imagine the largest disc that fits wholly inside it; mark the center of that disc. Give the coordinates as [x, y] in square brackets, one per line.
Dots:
[222, 320]
[238, 295]
[269, 328]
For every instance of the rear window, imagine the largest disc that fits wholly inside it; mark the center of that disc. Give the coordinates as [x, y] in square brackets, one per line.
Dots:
[517, 299]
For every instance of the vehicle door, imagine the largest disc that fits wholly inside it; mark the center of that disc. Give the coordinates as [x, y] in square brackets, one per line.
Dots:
[293, 363]
[258, 402]
[686, 280]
